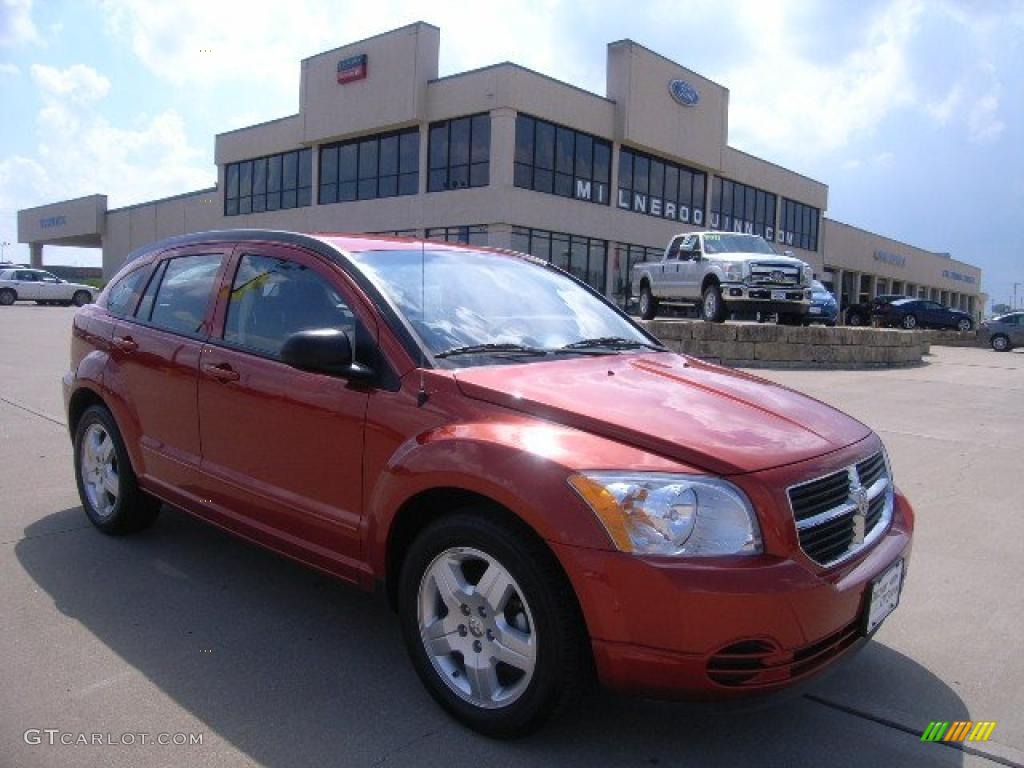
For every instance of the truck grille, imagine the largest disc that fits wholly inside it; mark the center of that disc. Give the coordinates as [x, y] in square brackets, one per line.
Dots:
[845, 512]
[774, 274]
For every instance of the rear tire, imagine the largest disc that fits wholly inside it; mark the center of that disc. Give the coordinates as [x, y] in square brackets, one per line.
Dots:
[531, 619]
[854, 319]
[8, 297]
[107, 485]
[1001, 343]
[648, 303]
[712, 308]
[81, 298]
[909, 322]
[964, 325]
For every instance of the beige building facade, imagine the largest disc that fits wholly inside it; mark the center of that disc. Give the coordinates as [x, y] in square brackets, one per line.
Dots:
[511, 158]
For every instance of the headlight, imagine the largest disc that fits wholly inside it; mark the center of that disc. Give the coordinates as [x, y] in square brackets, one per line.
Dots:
[662, 514]
[733, 273]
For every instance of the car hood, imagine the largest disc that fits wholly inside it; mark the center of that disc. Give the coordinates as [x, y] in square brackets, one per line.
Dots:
[767, 258]
[708, 417]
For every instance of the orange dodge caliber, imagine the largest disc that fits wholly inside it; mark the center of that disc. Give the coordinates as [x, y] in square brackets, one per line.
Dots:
[545, 493]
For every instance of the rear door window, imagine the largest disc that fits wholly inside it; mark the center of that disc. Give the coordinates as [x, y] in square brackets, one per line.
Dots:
[273, 298]
[180, 293]
[124, 294]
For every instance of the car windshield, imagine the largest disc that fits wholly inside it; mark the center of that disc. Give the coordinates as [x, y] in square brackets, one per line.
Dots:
[733, 243]
[476, 307]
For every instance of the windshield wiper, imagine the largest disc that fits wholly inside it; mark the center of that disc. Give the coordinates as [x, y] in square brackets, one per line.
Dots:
[611, 342]
[484, 349]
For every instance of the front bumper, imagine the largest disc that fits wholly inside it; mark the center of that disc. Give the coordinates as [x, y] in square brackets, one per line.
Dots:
[747, 298]
[662, 627]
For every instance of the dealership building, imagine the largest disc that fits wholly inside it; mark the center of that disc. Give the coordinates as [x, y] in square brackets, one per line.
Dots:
[511, 158]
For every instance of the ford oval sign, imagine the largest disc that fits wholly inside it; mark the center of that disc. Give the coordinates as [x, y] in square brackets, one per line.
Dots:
[684, 93]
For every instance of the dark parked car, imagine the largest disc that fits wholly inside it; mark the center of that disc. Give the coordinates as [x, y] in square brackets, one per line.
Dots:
[823, 307]
[1003, 333]
[861, 314]
[922, 313]
[544, 491]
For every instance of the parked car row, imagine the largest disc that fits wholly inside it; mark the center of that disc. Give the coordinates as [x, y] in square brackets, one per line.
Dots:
[25, 284]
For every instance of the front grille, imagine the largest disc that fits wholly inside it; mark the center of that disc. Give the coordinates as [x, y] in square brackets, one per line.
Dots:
[761, 663]
[842, 513]
[774, 274]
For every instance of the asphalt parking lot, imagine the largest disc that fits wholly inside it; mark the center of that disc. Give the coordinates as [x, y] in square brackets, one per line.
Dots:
[183, 629]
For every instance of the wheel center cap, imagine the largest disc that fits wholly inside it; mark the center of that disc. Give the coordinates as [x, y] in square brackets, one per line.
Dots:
[475, 627]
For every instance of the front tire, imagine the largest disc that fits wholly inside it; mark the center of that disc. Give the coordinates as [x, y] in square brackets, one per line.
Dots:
[107, 485]
[81, 298]
[1001, 343]
[712, 308]
[491, 625]
[909, 322]
[854, 319]
[648, 304]
[964, 325]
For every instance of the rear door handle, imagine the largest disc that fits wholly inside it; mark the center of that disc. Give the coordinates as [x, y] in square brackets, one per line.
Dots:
[125, 343]
[220, 372]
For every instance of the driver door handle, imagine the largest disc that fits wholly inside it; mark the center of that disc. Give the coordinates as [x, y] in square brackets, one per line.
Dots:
[221, 372]
[125, 343]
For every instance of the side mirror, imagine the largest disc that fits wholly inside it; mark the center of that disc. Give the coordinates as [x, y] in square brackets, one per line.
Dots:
[323, 350]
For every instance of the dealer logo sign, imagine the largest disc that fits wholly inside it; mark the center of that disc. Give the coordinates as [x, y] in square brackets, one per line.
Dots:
[683, 93]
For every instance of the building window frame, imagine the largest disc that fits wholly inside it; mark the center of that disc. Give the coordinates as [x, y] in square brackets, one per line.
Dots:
[572, 249]
[470, 234]
[799, 225]
[269, 183]
[456, 164]
[739, 207]
[370, 167]
[563, 161]
[646, 181]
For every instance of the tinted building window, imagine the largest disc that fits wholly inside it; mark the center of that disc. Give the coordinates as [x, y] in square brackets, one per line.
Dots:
[460, 152]
[269, 183]
[557, 160]
[661, 188]
[386, 165]
[474, 235]
[798, 225]
[624, 257]
[583, 257]
[737, 207]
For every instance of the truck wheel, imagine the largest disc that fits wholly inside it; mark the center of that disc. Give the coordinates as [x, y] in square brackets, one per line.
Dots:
[648, 304]
[712, 308]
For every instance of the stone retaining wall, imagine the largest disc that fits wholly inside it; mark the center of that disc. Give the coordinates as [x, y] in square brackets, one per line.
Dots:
[751, 345]
[952, 338]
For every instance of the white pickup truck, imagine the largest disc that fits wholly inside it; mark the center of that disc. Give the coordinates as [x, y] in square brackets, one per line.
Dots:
[724, 272]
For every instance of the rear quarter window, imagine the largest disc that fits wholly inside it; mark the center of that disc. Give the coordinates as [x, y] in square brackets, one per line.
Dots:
[124, 293]
[183, 294]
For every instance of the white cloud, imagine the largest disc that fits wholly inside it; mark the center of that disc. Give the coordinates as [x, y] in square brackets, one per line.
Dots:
[983, 122]
[81, 152]
[16, 27]
[781, 98]
[10, 69]
[78, 82]
[942, 111]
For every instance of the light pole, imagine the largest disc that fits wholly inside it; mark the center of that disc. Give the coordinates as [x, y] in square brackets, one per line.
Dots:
[3, 244]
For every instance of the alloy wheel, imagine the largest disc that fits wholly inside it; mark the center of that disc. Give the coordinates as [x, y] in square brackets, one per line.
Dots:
[98, 469]
[476, 627]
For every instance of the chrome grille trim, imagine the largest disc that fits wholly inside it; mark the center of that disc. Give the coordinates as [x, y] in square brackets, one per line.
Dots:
[835, 534]
[761, 274]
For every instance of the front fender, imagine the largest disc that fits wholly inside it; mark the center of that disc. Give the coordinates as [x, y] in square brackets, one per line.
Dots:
[521, 464]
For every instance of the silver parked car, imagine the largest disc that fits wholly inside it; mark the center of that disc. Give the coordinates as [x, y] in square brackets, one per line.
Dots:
[1003, 333]
[42, 287]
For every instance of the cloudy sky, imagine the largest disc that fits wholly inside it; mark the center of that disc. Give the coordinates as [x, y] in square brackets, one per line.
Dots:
[910, 110]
